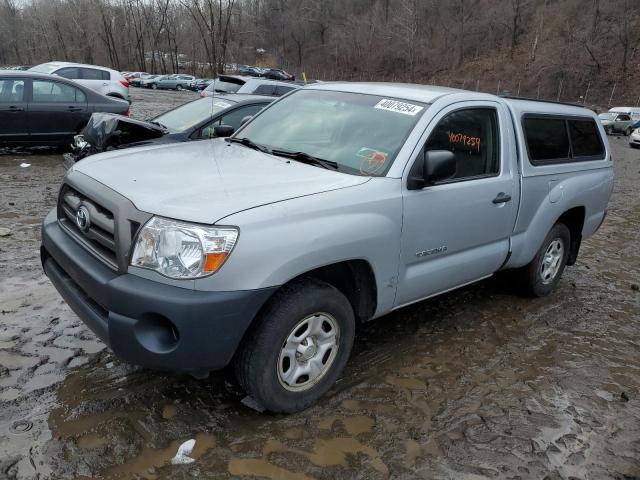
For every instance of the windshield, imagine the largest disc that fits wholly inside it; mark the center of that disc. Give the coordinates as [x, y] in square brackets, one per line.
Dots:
[219, 85]
[191, 114]
[44, 68]
[361, 133]
[606, 116]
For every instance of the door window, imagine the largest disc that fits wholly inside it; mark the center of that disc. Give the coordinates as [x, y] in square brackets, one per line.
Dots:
[71, 73]
[46, 91]
[232, 118]
[472, 135]
[94, 74]
[624, 118]
[11, 90]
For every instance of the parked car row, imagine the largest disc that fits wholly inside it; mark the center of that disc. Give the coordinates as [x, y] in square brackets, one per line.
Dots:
[53, 102]
[271, 73]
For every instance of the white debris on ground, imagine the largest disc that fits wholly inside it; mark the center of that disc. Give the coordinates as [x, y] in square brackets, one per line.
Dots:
[4, 232]
[184, 450]
[25, 165]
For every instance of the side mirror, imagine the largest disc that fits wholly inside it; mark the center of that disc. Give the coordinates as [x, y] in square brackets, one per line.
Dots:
[437, 165]
[245, 119]
[223, 130]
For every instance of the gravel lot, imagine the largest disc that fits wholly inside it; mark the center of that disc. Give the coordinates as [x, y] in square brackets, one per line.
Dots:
[479, 383]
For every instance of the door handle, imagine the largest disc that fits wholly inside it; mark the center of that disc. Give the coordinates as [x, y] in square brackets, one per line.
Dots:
[74, 109]
[16, 109]
[502, 198]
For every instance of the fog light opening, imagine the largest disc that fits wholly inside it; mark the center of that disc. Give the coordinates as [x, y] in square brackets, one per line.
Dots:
[157, 333]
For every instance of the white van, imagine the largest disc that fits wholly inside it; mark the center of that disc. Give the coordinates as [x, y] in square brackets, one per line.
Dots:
[633, 112]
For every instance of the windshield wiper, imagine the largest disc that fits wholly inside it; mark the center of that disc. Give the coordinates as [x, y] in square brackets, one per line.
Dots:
[306, 158]
[248, 143]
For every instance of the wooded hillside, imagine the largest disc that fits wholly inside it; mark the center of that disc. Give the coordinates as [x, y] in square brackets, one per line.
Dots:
[562, 49]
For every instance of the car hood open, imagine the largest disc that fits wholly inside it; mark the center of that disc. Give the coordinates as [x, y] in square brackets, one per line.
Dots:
[207, 180]
[107, 129]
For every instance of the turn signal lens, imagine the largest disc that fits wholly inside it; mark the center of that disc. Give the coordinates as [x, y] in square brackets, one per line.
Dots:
[213, 261]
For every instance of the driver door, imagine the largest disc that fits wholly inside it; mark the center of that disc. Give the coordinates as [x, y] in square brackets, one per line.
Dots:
[458, 231]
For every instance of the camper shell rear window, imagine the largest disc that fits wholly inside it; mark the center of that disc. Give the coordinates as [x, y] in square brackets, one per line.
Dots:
[553, 139]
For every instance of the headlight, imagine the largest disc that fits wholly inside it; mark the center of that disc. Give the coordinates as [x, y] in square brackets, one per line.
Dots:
[182, 250]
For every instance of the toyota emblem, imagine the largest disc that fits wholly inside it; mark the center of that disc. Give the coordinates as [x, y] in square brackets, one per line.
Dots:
[83, 221]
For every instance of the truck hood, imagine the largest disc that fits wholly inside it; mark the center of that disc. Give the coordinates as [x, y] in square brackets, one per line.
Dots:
[205, 181]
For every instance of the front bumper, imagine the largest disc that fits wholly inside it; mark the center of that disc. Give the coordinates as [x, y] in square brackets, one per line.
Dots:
[634, 139]
[145, 322]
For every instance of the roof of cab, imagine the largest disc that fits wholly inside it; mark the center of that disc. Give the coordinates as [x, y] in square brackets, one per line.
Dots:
[521, 106]
[430, 93]
[408, 91]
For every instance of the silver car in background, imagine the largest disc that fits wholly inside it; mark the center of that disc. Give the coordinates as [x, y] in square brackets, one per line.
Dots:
[616, 123]
[172, 82]
[103, 80]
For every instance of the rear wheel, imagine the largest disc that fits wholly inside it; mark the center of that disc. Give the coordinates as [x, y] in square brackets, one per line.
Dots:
[298, 347]
[154, 86]
[540, 277]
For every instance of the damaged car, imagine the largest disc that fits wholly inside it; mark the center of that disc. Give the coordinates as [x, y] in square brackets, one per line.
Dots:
[195, 120]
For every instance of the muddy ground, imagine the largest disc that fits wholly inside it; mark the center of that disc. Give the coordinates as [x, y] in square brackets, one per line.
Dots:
[479, 383]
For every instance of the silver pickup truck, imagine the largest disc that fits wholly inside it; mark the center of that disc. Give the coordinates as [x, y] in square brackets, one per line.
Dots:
[335, 205]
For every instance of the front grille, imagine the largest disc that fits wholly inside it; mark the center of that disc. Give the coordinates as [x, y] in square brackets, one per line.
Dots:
[100, 236]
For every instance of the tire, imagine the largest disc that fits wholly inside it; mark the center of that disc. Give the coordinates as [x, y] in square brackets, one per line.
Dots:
[154, 86]
[628, 131]
[179, 88]
[608, 130]
[274, 375]
[538, 281]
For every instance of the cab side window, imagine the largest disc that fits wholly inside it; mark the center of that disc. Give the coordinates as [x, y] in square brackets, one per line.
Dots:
[623, 118]
[472, 135]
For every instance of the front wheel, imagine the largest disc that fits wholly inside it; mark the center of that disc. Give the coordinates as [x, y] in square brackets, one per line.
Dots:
[608, 130]
[540, 277]
[298, 347]
[179, 87]
[154, 86]
[629, 131]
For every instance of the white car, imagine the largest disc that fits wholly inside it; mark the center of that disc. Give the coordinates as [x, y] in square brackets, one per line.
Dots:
[634, 138]
[101, 79]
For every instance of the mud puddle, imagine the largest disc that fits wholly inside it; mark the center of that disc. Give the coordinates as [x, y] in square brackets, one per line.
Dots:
[479, 383]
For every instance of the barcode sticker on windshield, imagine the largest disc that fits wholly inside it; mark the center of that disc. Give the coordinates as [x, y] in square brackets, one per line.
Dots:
[398, 107]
